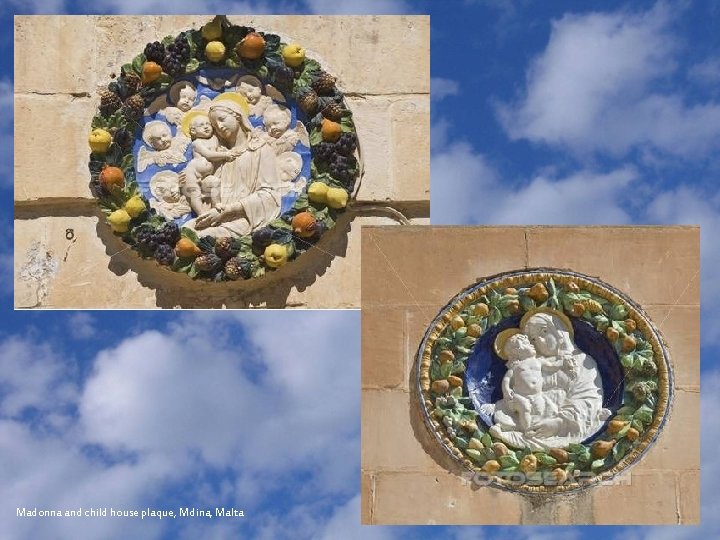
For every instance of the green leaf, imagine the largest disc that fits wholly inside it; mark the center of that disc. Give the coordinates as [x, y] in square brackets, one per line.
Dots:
[545, 459]
[626, 410]
[193, 271]
[280, 224]
[644, 414]
[192, 65]
[486, 440]
[315, 137]
[445, 370]
[190, 234]
[597, 465]
[347, 124]
[575, 448]
[167, 40]
[627, 360]
[494, 317]
[137, 63]
[637, 424]
[509, 460]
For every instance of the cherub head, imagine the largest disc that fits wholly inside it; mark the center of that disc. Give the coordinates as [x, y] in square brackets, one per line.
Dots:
[165, 186]
[186, 98]
[251, 88]
[277, 120]
[200, 127]
[157, 135]
[289, 165]
[518, 347]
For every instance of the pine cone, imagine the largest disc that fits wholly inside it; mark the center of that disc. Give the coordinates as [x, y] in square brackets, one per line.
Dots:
[237, 268]
[109, 102]
[308, 102]
[209, 262]
[333, 111]
[226, 247]
[130, 82]
[134, 107]
[324, 83]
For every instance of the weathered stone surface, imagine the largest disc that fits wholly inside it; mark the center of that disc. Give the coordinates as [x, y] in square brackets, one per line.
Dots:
[55, 127]
[429, 265]
[84, 278]
[411, 149]
[654, 265]
[135, 32]
[382, 327]
[388, 442]
[649, 497]
[426, 498]
[683, 323]
[55, 54]
[689, 495]
[366, 489]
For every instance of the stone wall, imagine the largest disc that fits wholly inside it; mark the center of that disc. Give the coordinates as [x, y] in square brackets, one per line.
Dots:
[409, 274]
[381, 62]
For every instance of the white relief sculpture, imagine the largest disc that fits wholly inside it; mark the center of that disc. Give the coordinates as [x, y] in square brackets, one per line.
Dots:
[249, 181]
[289, 167]
[552, 391]
[184, 96]
[168, 201]
[251, 89]
[207, 152]
[166, 149]
[277, 119]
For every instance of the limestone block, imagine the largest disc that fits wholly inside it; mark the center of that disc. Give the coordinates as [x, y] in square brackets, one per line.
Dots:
[388, 442]
[372, 120]
[649, 498]
[382, 346]
[689, 495]
[369, 54]
[429, 265]
[133, 32]
[366, 501]
[426, 498]
[55, 54]
[51, 151]
[83, 277]
[411, 149]
[678, 446]
[681, 327]
[651, 265]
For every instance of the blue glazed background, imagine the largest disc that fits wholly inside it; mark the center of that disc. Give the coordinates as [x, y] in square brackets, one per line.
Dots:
[485, 370]
[143, 178]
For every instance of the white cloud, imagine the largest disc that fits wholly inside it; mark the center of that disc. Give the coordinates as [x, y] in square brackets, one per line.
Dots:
[441, 88]
[359, 7]
[706, 72]
[40, 6]
[345, 524]
[466, 189]
[6, 136]
[82, 325]
[594, 89]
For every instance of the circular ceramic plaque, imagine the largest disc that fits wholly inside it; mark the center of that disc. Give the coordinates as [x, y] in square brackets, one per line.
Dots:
[222, 153]
[544, 380]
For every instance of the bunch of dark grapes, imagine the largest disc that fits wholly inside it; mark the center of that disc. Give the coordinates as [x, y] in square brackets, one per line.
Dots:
[177, 55]
[165, 254]
[150, 239]
[324, 152]
[123, 138]
[155, 52]
[346, 144]
[341, 168]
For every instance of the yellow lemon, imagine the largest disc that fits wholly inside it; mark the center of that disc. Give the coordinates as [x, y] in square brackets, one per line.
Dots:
[275, 255]
[293, 54]
[135, 206]
[99, 141]
[317, 192]
[119, 221]
[215, 51]
[337, 197]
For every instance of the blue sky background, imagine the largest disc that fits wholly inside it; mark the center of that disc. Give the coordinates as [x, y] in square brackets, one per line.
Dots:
[543, 112]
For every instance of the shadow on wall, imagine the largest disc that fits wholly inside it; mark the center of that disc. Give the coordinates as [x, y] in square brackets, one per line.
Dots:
[176, 290]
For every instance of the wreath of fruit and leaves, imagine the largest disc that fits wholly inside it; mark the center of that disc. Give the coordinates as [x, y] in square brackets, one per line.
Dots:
[456, 423]
[220, 44]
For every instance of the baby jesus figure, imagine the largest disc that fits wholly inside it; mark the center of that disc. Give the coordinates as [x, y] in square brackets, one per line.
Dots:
[522, 386]
[198, 183]
[166, 149]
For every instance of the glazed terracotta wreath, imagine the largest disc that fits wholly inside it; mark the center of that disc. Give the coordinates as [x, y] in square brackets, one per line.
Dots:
[222, 152]
[544, 380]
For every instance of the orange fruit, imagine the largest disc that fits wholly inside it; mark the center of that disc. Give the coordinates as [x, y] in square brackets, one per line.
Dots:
[331, 131]
[251, 46]
[303, 225]
[150, 72]
[112, 178]
[186, 248]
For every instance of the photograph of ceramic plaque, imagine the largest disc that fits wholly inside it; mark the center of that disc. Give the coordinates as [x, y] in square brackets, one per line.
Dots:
[544, 380]
[222, 152]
